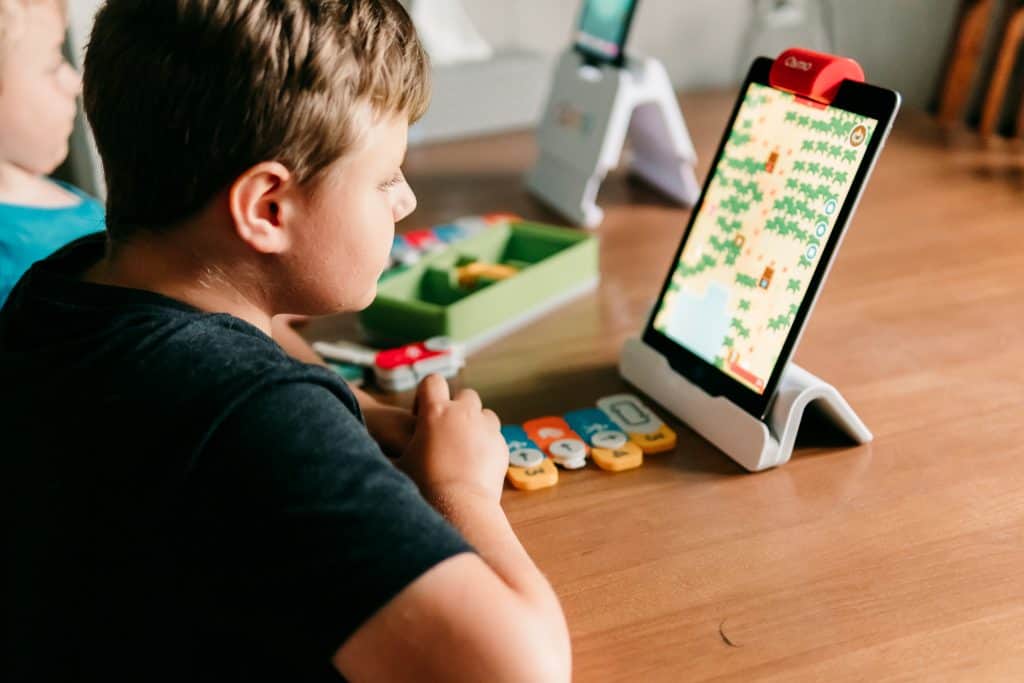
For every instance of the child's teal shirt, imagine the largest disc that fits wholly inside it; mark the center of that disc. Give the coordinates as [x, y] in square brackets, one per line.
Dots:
[30, 233]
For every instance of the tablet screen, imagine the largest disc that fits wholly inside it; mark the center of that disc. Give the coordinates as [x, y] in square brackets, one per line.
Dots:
[604, 25]
[770, 207]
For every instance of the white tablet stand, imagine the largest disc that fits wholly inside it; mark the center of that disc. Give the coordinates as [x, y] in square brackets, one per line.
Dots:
[756, 445]
[589, 112]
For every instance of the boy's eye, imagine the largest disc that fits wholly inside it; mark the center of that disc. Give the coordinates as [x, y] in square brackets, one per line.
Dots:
[397, 179]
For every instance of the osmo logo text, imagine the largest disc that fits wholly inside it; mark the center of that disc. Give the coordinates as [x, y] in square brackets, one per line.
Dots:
[794, 63]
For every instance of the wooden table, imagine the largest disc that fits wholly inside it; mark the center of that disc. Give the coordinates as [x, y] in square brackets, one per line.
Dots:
[901, 560]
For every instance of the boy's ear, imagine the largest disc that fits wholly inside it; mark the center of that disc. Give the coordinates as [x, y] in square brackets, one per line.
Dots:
[261, 202]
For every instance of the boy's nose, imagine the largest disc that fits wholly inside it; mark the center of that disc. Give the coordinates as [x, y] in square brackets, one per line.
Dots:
[405, 203]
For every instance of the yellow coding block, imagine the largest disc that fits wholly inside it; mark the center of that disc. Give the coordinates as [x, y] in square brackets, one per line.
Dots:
[532, 478]
[659, 442]
[627, 457]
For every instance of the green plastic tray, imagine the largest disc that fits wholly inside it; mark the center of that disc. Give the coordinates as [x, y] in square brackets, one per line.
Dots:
[556, 265]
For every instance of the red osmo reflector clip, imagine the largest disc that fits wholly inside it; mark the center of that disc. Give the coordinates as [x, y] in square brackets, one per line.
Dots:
[813, 75]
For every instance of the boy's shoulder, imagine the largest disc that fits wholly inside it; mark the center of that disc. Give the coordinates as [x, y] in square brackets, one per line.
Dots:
[153, 360]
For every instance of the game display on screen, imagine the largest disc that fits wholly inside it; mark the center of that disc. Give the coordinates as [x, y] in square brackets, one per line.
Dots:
[769, 210]
[603, 26]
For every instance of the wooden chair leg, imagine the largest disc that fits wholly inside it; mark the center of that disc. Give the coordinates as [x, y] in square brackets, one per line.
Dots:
[976, 15]
[995, 100]
[1020, 119]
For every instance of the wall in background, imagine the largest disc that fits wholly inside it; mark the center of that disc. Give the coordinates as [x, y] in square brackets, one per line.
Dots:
[83, 159]
[702, 43]
[900, 44]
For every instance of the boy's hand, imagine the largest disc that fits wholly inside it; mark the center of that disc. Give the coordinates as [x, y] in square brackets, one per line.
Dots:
[391, 427]
[457, 448]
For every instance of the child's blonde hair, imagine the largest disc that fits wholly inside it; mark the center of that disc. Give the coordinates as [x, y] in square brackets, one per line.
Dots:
[185, 95]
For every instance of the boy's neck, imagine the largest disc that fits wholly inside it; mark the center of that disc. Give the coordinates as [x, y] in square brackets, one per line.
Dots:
[18, 186]
[169, 265]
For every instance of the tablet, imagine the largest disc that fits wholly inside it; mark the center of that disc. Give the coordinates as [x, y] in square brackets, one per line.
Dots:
[785, 180]
[604, 27]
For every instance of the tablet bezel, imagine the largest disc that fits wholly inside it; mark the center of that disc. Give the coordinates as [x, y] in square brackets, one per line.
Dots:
[859, 98]
[595, 56]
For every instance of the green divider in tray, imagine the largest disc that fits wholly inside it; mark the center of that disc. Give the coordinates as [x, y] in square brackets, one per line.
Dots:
[426, 300]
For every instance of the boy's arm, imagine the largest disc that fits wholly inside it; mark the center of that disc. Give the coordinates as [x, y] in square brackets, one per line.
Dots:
[490, 617]
[467, 619]
[390, 426]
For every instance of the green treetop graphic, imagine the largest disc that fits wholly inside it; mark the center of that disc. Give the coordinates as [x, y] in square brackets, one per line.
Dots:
[731, 249]
[804, 209]
[809, 191]
[783, 322]
[794, 286]
[735, 205]
[741, 330]
[706, 261]
[728, 226]
[738, 139]
[785, 228]
[749, 189]
[753, 101]
[746, 281]
[748, 165]
[744, 304]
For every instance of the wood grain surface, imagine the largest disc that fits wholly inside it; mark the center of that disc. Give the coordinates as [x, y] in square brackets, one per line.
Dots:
[900, 560]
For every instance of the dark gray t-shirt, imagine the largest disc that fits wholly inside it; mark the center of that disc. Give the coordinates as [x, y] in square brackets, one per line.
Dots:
[181, 500]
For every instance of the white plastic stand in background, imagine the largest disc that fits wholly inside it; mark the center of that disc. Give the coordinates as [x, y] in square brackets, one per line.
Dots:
[589, 112]
[756, 445]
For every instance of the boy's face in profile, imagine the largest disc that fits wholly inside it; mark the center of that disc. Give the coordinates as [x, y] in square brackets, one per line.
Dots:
[347, 225]
[37, 91]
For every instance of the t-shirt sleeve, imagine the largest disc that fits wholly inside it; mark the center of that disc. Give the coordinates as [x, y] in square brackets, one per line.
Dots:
[302, 527]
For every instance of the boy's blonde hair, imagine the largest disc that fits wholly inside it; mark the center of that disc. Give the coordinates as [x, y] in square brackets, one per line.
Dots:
[185, 95]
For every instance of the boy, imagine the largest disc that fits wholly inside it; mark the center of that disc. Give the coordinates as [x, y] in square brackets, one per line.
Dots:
[38, 90]
[181, 500]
